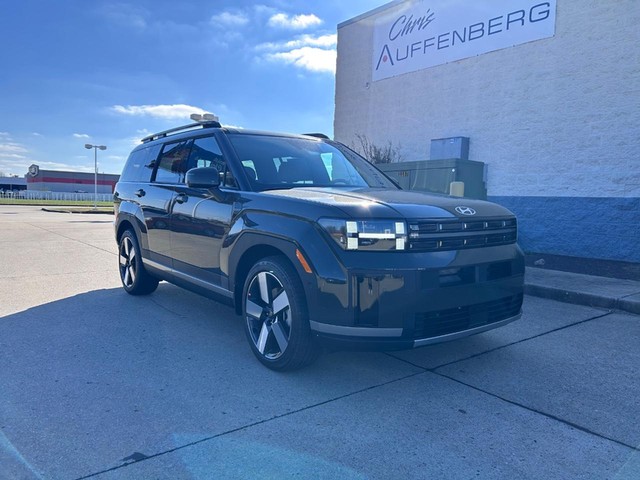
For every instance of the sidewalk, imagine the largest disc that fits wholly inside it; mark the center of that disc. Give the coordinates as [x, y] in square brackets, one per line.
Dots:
[603, 292]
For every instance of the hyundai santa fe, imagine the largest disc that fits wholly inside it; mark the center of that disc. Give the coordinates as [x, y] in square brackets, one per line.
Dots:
[311, 243]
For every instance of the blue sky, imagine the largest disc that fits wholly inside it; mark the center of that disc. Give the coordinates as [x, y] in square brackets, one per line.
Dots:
[77, 72]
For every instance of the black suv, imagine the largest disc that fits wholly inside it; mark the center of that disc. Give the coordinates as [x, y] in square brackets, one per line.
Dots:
[311, 243]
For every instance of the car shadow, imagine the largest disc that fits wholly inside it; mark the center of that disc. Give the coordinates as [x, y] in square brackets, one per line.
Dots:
[89, 379]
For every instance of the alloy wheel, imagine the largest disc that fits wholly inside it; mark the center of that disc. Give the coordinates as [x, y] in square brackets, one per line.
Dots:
[128, 268]
[268, 315]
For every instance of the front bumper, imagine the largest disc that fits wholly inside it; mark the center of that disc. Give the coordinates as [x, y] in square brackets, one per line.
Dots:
[404, 308]
[373, 339]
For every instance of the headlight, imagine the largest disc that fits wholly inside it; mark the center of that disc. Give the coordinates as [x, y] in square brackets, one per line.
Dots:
[366, 234]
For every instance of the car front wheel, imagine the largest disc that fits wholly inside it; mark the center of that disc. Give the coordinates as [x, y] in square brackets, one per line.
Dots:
[276, 318]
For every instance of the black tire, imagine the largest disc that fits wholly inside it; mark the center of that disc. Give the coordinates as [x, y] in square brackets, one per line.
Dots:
[275, 315]
[134, 277]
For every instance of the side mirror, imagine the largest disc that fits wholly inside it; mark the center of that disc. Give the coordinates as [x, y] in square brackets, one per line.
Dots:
[203, 177]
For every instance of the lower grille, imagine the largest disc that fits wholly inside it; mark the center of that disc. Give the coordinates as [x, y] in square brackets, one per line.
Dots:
[444, 322]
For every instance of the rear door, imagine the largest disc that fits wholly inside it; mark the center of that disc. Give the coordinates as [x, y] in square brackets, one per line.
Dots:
[158, 197]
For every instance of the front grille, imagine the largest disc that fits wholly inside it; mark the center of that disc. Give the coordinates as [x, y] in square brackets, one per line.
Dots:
[457, 234]
[443, 322]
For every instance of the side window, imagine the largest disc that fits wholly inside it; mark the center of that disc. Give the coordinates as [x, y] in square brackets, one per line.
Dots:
[172, 164]
[139, 166]
[134, 164]
[206, 153]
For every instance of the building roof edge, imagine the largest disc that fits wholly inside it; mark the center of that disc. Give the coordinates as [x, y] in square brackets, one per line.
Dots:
[375, 11]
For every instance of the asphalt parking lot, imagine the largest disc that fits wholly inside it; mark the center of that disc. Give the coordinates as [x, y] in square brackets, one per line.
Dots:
[98, 384]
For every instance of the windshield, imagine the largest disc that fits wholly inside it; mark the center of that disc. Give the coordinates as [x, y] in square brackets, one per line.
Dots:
[273, 162]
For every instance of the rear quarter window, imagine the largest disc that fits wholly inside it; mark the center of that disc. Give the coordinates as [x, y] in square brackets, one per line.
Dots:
[140, 163]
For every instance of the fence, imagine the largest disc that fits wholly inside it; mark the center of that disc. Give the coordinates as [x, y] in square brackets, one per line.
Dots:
[57, 196]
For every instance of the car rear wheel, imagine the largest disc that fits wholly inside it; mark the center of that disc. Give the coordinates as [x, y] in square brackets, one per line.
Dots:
[135, 278]
[276, 318]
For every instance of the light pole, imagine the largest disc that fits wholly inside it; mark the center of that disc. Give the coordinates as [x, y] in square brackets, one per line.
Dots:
[88, 146]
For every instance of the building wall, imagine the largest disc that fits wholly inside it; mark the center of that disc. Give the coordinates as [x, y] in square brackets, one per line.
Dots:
[12, 183]
[557, 121]
[59, 181]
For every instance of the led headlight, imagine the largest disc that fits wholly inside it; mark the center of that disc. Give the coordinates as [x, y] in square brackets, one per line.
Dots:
[367, 234]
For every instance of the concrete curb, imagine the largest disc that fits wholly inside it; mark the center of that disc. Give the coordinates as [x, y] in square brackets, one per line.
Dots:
[599, 292]
[581, 298]
[78, 210]
[630, 304]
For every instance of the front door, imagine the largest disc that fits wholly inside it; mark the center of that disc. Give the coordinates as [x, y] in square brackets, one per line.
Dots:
[200, 218]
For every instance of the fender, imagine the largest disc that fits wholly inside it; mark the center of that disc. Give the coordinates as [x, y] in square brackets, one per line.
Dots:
[285, 233]
[257, 234]
[131, 212]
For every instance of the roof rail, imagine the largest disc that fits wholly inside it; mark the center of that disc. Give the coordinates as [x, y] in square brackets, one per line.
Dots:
[317, 135]
[191, 126]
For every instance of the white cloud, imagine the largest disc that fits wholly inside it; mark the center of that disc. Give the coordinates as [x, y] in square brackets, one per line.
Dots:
[11, 149]
[65, 166]
[230, 19]
[13, 157]
[36, 134]
[5, 134]
[81, 135]
[315, 53]
[330, 40]
[16, 158]
[324, 41]
[125, 15]
[295, 22]
[264, 10]
[14, 167]
[308, 58]
[159, 111]
[136, 140]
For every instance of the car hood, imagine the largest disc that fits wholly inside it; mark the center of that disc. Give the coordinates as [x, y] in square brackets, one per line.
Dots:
[373, 202]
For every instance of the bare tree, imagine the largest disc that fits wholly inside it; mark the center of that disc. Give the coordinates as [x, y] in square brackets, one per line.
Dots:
[388, 153]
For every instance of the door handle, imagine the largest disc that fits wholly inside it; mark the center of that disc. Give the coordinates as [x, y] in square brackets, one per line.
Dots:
[140, 193]
[181, 198]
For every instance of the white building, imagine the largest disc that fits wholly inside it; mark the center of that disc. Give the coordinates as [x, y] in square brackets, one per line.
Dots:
[548, 93]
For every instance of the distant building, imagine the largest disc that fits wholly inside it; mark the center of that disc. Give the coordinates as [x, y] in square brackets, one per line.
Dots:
[9, 184]
[61, 181]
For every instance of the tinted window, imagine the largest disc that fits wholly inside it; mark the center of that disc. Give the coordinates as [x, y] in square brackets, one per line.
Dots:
[206, 152]
[139, 166]
[172, 164]
[285, 162]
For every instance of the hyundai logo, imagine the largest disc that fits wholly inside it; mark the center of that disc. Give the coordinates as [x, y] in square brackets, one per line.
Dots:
[465, 211]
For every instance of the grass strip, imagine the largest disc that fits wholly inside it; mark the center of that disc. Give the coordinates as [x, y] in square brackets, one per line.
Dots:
[57, 203]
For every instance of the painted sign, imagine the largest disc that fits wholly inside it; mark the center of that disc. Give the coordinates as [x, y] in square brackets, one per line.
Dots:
[34, 170]
[420, 34]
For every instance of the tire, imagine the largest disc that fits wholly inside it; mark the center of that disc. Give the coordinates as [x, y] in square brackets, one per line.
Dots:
[134, 277]
[276, 319]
